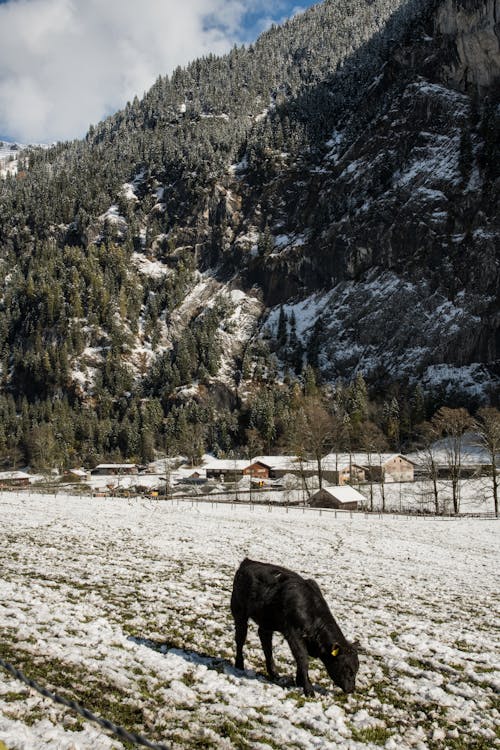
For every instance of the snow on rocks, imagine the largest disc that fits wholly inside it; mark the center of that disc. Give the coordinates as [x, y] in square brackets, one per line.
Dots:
[149, 267]
[113, 216]
[123, 606]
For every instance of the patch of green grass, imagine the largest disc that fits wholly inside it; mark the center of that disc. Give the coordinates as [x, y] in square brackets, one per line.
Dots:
[495, 703]
[464, 646]
[146, 692]
[188, 679]
[387, 695]
[482, 670]
[13, 696]
[465, 742]
[192, 743]
[420, 664]
[377, 735]
[236, 734]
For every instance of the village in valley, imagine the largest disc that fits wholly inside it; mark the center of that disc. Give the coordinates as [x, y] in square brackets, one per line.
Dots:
[438, 481]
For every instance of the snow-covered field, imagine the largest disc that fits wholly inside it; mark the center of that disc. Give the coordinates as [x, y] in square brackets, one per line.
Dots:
[123, 606]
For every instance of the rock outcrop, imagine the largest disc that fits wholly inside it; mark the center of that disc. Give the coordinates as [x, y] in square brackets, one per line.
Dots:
[472, 28]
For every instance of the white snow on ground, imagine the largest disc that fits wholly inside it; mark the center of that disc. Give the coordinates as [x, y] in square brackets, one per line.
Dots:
[123, 606]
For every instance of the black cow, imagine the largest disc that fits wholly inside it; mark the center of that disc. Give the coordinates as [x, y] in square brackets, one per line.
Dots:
[279, 599]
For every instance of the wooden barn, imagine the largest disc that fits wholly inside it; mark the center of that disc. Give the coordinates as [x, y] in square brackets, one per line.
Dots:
[226, 470]
[257, 470]
[14, 479]
[339, 497]
[114, 469]
[370, 467]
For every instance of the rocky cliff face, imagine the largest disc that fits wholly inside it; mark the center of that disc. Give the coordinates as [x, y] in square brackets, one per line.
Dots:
[472, 28]
[345, 167]
[392, 235]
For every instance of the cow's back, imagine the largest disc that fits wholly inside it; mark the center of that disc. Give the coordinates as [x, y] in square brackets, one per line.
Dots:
[273, 596]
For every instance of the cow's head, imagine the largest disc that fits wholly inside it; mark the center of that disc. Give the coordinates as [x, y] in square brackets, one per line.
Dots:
[342, 664]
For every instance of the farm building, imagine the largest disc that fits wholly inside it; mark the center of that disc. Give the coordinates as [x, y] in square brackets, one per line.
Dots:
[337, 470]
[360, 467]
[280, 465]
[75, 475]
[340, 497]
[226, 470]
[114, 469]
[194, 478]
[14, 479]
[397, 468]
[257, 470]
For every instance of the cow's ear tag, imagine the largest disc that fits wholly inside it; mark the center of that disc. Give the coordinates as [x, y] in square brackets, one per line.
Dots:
[335, 651]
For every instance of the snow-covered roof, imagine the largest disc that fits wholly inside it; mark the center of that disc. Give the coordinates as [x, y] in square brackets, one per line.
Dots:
[336, 461]
[116, 466]
[344, 493]
[14, 475]
[277, 462]
[227, 464]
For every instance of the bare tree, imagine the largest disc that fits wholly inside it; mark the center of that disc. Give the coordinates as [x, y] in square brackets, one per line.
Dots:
[42, 447]
[428, 434]
[487, 425]
[452, 424]
[373, 441]
[314, 429]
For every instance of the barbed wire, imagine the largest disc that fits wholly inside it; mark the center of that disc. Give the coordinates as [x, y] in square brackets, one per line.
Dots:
[106, 724]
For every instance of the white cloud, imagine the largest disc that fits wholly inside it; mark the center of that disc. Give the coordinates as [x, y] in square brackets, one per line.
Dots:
[67, 63]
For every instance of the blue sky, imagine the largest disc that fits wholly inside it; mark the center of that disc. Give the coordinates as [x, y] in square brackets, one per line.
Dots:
[65, 64]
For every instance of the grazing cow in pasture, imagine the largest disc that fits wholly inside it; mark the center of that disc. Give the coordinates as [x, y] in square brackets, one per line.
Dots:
[279, 599]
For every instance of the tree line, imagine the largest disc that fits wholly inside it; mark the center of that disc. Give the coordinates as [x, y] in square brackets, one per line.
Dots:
[298, 417]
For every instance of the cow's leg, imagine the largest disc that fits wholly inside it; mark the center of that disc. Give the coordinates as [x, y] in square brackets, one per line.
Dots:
[266, 639]
[299, 650]
[241, 628]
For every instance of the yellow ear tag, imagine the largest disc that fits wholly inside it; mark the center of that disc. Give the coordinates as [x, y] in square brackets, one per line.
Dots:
[335, 651]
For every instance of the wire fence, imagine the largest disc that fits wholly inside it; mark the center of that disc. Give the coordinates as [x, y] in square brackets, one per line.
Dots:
[253, 499]
[109, 726]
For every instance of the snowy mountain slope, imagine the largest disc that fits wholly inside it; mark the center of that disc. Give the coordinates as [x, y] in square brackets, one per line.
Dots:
[345, 166]
[389, 327]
